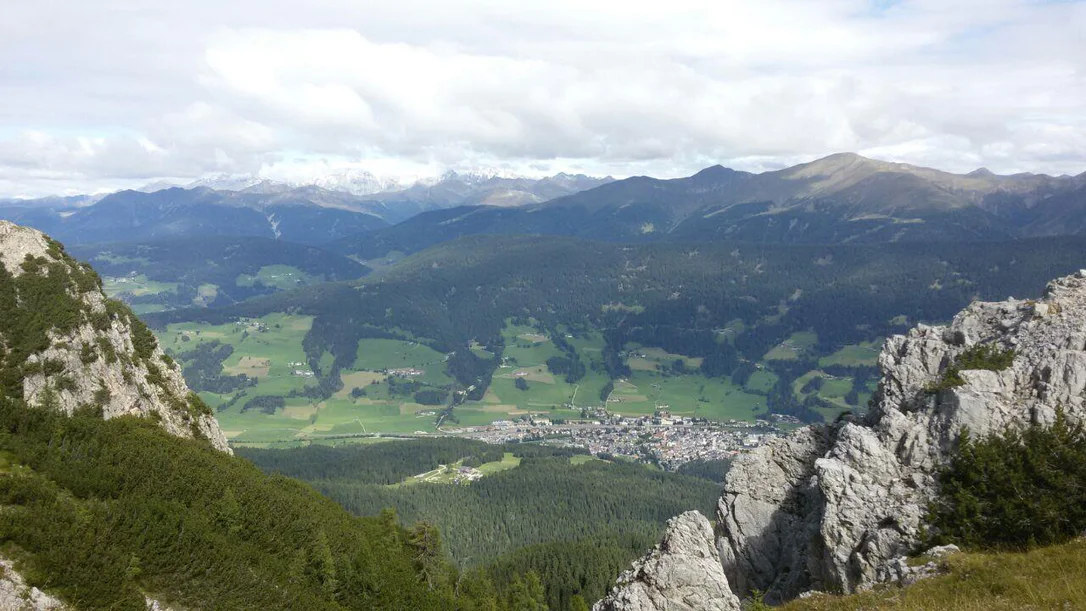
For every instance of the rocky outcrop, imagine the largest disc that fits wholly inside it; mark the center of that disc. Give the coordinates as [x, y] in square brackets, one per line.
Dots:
[683, 573]
[833, 507]
[63, 345]
[15, 595]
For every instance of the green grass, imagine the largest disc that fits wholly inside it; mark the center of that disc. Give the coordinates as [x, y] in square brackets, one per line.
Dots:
[380, 354]
[797, 345]
[1045, 578]
[866, 353]
[136, 286]
[507, 462]
[282, 277]
[686, 395]
[761, 381]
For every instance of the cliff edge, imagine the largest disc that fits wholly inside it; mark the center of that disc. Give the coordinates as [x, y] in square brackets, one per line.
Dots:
[65, 346]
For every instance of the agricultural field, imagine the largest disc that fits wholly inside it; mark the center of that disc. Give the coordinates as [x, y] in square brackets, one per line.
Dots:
[866, 353]
[796, 346]
[135, 286]
[683, 395]
[282, 277]
[379, 392]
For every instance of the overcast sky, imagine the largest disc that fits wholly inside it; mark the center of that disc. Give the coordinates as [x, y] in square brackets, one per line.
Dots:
[101, 94]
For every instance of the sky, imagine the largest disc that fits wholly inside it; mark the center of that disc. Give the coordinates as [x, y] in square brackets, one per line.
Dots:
[104, 94]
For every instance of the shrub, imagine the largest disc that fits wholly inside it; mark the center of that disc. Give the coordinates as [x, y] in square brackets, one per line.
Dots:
[980, 356]
[1017, 489]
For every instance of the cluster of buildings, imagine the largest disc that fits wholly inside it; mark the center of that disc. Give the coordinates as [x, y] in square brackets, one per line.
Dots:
[666, 441]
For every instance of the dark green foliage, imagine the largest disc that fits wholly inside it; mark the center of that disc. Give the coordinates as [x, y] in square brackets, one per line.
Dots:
[980, 356]
[431, 396]
[813, 385]
[584, 568]
[606, 390]
[711, 470]
[44, 298]
[185, 262]
[110, 509]
[382, 463]
[268, 404]
[527, 594]
[203, 369]
[521, 384]
[542, 499]
[1017, 489]
[679, 297]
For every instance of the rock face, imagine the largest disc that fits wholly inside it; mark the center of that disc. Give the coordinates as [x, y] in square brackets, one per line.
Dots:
[832, 507]
[683, 573]
[15, 595]
[63, 345]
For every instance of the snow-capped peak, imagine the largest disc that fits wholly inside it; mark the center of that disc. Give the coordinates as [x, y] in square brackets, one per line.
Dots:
[227, 182]
[360, 182]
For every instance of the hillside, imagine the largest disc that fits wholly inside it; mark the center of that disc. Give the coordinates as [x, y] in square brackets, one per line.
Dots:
[753, 325]
[574, 520]
[965, 415]
[210, 271]
[65, 347]
[117, 489]
[842, 198]
[1045, 578]
[306, 216]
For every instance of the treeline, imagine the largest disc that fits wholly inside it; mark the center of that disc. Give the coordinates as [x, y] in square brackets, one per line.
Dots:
[203, 368]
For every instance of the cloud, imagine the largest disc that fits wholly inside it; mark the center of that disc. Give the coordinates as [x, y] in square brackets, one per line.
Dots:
[135, 89]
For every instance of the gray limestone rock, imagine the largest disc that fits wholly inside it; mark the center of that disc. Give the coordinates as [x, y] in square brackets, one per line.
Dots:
[683, 573]
[835, 507]
[15, 595]
[95, 362]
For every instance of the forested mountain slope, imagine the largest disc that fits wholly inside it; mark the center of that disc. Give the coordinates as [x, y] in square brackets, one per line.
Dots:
[116, 484]
[839, 199]
[208, 271]
[685, 299]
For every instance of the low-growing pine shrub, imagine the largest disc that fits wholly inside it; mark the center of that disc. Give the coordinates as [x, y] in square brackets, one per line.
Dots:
[980, 356]
[1017, 489]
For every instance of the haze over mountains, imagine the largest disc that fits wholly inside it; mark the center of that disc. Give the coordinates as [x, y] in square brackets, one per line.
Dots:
[841, 198]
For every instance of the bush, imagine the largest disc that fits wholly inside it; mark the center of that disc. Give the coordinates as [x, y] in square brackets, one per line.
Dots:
[981, 356]
[1018, 489]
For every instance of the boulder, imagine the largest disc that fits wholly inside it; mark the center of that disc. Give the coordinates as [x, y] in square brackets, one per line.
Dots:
[683, 573]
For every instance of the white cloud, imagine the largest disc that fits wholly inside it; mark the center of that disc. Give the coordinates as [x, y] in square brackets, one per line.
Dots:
[104, 94]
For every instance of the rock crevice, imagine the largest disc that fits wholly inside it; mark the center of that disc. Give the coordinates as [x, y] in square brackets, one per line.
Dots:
[833, 507]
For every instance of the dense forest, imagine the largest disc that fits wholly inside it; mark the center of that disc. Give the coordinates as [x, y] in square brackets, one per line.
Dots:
[575, 525]
[725, 303]
[194, 262]
[102, 511]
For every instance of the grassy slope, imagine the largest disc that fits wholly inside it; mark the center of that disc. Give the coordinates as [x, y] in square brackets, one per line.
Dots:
[1047, 578]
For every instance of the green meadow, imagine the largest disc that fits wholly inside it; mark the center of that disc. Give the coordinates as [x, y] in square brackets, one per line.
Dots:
[378, 392]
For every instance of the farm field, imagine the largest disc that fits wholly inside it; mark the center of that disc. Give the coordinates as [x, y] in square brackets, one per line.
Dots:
[683, 395]
[282, 277]
[135, 286]
[380, 390]
[866, 353]
[796, 346]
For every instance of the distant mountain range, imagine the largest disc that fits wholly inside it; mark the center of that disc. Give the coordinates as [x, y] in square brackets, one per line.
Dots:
[842, 198]
[253, 207]
[480, 186]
